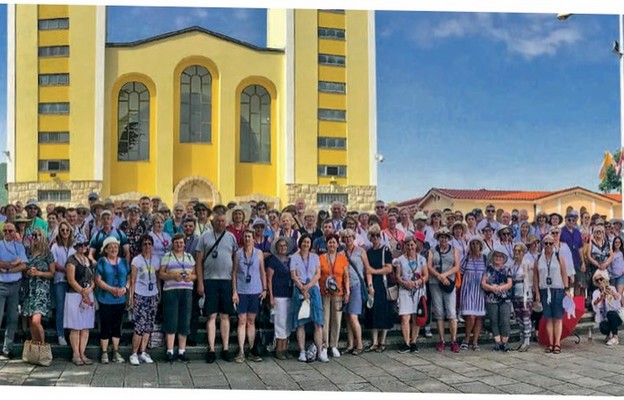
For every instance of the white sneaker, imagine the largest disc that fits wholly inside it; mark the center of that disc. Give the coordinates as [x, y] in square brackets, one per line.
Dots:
[144, 357]
[335, 352]
[134, 359]
[611, 341]
[428, 333]
[323, 356]
[302, 356]
[616, 340]
[62, 341]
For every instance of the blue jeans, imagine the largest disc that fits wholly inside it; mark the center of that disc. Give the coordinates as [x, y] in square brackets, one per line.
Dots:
[60, 289]
[9, 296]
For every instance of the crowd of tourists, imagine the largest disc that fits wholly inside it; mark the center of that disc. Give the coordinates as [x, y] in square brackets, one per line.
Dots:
[101, 261]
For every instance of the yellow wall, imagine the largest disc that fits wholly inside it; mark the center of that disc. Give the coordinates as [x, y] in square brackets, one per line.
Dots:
[332, 20]
[147, 59]
[333, 101]
[82, 79]
[56, 37]
[26, 94]
[332, 46]
[306, 98]
[358, 98]
[53, 11]
[49, 94]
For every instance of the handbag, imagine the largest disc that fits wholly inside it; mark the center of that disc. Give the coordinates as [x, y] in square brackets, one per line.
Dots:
[445, 288]
[37, 353]
[421, 312]
[392, 292]
[304, 310]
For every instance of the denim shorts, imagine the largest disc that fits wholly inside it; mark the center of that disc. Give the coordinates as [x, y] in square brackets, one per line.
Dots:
[619, 281]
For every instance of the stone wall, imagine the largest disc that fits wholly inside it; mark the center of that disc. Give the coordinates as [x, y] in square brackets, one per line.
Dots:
[79, 191]
[360, 198]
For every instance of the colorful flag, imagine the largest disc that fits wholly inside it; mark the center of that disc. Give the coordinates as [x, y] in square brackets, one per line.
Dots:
[606, 162]
[618, 168]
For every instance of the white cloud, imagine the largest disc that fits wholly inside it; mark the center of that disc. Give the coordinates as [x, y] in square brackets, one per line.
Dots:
[529, 35]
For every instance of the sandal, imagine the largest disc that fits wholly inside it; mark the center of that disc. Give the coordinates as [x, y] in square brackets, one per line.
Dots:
[372, 347]
[357, 352]
[348, 350]
[556, 349]
[78, 361]
[549, 349]
[381, 348]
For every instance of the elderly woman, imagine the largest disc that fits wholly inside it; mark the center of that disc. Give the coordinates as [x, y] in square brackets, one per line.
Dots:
[286, 230]
[162, 240]
[61, 251]
[606, 302]
[497, 285]
[433, 227]
[361, 287]
[472, 304]
[309, 225]
[279, 284]
[238, 225]
[36, 287]
[111, 275]
[442, 269]
[335, 290]
[541, 227]
[521, 272]
[550, 276]
[144, 294]
[177, 270]
[174, 224]
[405, 224]
[272, 229]
[305, 271]
[379, 318]
[249, 289]
[79, 314]
[471, 226]
[412, 275]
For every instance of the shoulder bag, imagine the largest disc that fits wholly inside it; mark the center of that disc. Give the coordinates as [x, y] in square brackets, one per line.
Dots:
[451, 286]
[392, 292]
[363, 287]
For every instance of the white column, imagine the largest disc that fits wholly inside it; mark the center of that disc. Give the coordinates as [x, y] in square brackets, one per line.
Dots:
[98, 123]
[10, 98]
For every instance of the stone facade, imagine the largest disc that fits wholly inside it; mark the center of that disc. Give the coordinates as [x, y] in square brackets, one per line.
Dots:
[30, 190]
[360, 198]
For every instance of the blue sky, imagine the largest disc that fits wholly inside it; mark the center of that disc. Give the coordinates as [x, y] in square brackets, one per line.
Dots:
[465, 100]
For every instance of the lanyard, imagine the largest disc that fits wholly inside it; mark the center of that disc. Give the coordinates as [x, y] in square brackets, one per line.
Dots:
[180, 263]
[148, 267]
[331, 264]
[306, 264]
[248, 261]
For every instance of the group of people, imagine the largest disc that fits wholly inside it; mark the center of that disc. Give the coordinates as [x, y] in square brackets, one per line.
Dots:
[308, 267]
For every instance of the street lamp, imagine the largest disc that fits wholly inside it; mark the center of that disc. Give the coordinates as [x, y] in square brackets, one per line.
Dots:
[618, 51]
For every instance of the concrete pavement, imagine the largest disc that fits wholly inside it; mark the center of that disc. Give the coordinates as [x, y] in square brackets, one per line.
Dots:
[581, 369]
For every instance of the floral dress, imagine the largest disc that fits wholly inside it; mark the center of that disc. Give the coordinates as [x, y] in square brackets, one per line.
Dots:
[36, 290]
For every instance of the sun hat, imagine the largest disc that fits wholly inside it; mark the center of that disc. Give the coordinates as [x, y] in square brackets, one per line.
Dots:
[616, 221]
[504, 228]
[420, 216]
[82, 207]
[458, 223]
[555, 215]
[442, 232]
[486, 227]
[572, 214]
[32, 203]
[92, 196]
[21, 219]
[107, 241]
[497, 250]
[600, 274]
[79, 239]
[201, 205]
[532, 239]
[258, 222]
[106, 212]
[476, 239]
[542, 214]
[134, 207]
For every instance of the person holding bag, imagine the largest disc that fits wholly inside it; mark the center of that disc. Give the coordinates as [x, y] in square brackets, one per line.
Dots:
[79, 314]
[335, 291]
[442, 269]
[361, 288]
[379, 317]
[305, 271]
[36, 295]
[412, 275]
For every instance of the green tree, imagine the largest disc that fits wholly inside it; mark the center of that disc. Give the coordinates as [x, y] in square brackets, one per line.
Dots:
[611, 181]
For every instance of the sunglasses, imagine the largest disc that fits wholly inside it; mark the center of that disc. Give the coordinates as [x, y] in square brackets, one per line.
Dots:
[145, 244]
[555, 233]
[64, 230]
[505, 234]
[570, 219]
[490, 211]
[375, 235]
[436, 215]
[549, 243]
[600, 280]
[82, 244]
[8, 230]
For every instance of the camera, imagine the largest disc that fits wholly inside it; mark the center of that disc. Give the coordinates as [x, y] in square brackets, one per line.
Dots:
[184, 275]
[248, 279]
[150, 286]
[549, 281]
[215, 254]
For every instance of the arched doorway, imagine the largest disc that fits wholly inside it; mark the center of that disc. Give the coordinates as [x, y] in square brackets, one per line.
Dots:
[196, 187]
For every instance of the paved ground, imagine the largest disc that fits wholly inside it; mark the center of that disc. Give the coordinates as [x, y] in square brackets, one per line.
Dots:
[583, 369]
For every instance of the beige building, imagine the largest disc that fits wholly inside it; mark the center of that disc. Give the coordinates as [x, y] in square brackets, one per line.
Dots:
[560, 201]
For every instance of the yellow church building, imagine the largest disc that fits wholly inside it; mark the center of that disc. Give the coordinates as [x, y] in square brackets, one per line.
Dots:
[191, 113]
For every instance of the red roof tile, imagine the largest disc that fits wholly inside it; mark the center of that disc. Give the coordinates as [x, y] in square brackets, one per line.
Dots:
[614, 196]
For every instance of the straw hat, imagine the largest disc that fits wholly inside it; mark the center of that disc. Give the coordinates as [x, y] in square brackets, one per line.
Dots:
[442, 232]
[504, 228]
[107, 241]
[460, 224]
[495, 251]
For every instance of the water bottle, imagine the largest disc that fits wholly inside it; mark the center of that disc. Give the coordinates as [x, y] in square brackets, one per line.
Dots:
[272, 316]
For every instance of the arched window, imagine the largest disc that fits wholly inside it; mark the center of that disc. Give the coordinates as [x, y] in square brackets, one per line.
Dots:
[255, 125]
[195, 105]
[133, 105]
[568, 210]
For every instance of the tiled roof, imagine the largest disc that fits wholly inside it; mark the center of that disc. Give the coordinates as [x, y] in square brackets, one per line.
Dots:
[502, 195]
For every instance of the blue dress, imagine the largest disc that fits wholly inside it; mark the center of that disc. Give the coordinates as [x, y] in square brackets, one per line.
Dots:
[472, 300]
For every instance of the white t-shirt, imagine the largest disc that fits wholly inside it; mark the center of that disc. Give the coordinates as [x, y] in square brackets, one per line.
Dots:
[61, 255]
[566, 255]
[147, 270]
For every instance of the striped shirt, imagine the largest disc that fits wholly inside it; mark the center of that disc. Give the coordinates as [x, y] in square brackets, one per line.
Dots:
[172, 263]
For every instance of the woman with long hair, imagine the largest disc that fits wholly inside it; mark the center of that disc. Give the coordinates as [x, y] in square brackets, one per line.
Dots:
[144, 295]
[541, 227]
[61, 250]
[111, 277]
[79, 315]
[36, 287]
[335, 291]
[522, 293]
[616, 270]
[523, 234]
[279, 284]
[249, 289]
[305, 271]
[472, 303]
[550, 276]
[361, 281]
